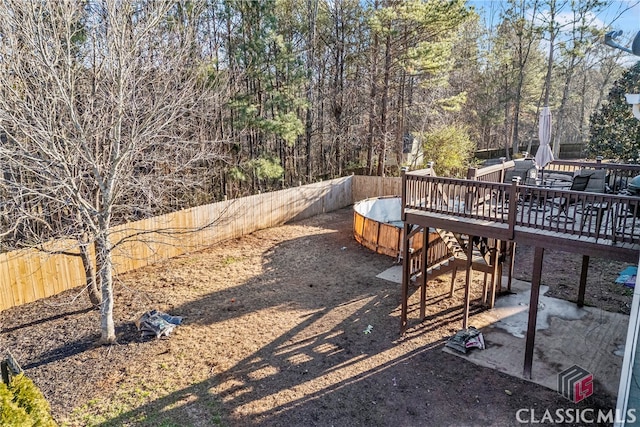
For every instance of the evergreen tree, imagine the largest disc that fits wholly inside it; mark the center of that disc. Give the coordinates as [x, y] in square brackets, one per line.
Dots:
[271, 94]
[615, 132]
[416, 40]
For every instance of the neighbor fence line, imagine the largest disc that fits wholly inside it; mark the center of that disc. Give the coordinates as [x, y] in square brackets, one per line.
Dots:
[27, 275]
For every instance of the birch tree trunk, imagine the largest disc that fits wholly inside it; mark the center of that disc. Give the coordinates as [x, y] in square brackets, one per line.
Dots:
[103, 257]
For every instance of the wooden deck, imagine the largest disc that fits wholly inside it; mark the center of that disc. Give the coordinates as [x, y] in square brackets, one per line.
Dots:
[594, 224]
[603, 224]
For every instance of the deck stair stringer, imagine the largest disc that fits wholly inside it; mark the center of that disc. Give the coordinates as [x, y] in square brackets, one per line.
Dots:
[486, 258]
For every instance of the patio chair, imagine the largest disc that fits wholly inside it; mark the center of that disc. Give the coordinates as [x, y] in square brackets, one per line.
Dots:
[597, 180]
[579, 183]
[524, 169]
[593, 212]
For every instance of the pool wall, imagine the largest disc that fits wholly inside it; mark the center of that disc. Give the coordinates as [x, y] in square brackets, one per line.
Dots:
[377, 225]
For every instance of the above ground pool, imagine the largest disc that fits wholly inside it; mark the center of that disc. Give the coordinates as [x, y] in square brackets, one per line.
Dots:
[377, 224]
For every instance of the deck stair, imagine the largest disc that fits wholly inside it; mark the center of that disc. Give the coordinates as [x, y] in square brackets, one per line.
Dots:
[457, 244]
[485, 258]
[441, 267]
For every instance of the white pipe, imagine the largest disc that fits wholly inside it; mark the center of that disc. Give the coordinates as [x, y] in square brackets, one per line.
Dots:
[634, 99]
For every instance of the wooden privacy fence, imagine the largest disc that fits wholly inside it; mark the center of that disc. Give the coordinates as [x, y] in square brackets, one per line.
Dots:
[30, 274]
[365, 187]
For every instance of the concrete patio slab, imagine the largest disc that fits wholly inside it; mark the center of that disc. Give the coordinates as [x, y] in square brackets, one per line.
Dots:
[566, 335]
[392, 274]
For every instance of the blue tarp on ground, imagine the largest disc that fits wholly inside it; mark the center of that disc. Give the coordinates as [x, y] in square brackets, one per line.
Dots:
[627, 277]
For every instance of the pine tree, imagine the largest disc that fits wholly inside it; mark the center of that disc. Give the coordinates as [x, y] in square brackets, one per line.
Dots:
[271, 94]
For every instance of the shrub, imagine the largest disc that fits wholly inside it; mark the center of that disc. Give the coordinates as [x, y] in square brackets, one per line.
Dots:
[22, 404]
[450, 148]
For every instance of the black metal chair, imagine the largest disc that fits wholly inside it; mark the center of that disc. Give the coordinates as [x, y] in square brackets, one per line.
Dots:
[579, 183]
[593, 212]
[597, 180]
[523, 170]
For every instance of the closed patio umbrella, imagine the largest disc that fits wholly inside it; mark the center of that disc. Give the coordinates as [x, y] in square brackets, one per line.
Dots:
[544, 155]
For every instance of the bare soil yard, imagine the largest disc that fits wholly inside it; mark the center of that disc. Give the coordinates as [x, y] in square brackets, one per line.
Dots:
[273, 335]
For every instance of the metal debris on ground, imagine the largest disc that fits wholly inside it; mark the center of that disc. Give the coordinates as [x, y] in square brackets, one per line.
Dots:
[156, 323]
[10, 368]
[466, 339]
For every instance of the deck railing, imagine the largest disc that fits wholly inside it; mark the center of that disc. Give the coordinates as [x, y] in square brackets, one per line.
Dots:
[618, 175]
[493, 173]
[610, 218]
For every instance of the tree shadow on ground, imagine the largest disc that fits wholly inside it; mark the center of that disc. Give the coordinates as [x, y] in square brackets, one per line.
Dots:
[322, 368]
[46, 319]
[287, 345]
[330, 377]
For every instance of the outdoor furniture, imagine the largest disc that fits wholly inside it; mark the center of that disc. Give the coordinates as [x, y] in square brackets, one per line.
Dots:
[579, 183]
[555, 180]
[597, 183]
[597, 210]
[522, 169]
[597, 180]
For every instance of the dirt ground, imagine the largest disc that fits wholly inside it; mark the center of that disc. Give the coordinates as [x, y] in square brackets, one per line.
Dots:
[273, 335]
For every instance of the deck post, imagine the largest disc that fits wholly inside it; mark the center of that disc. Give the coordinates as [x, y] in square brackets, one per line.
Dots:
[404, 251]
[423, 273]
[500, 254]
[406, 266]
[495, 271]
[533, 310]
[403, 199]
[467, 285]
[513, 206]
[512, 262]
[583, 280]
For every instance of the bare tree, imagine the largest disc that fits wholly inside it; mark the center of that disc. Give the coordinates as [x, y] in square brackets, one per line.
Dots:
[104, 107]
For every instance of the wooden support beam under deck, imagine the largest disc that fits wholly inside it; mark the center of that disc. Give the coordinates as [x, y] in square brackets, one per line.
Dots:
[533, 310]
[583, 280]
[467, 286]
[423, 273]
[406, 266]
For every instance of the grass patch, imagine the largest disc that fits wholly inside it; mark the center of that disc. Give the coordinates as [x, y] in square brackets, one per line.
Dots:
[228, 260]
[147, 405]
